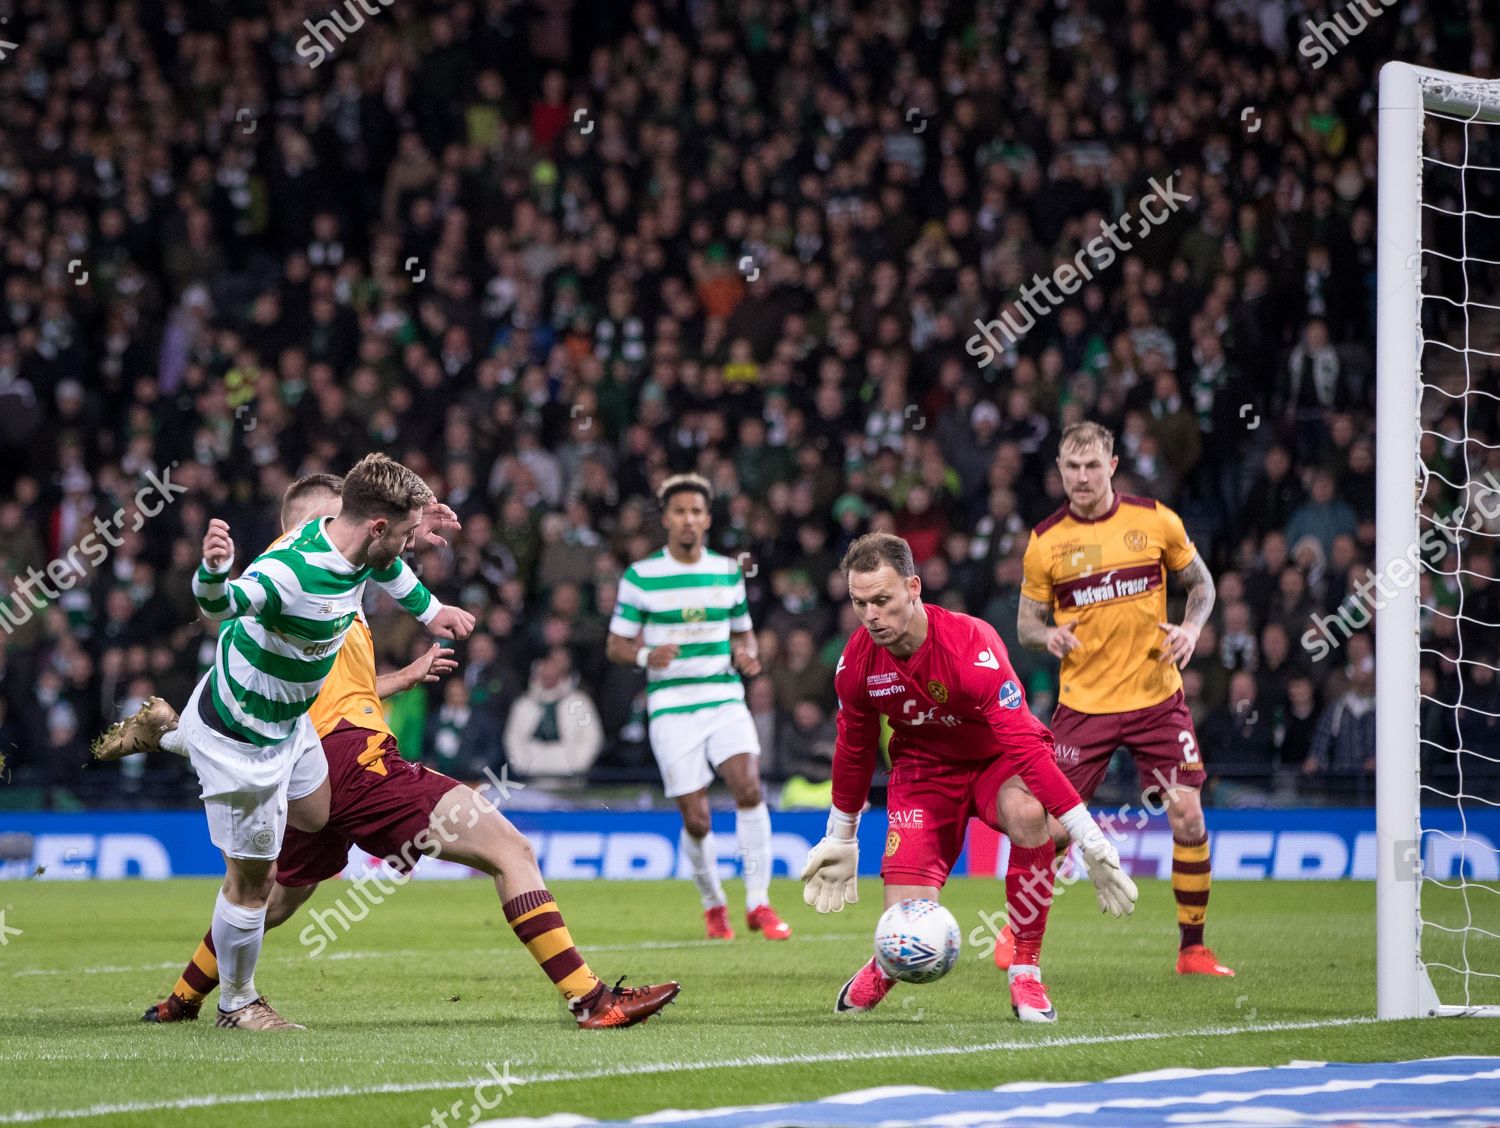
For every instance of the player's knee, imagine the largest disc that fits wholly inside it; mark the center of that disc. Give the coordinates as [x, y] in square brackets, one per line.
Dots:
[1189, 825]
[506, 850]
[1022, 814]
[696, 823]
[249, 887]
[515, 846]
[748, 795]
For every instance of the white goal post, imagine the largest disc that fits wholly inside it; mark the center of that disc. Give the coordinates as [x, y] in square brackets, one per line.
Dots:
[1410, 97]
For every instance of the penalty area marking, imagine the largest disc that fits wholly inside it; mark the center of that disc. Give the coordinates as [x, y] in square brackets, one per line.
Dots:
[28, 1116]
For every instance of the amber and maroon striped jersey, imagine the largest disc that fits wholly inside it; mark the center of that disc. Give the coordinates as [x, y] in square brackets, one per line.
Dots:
[1107, 578]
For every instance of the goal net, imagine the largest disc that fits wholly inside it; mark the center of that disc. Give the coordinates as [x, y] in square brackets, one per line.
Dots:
[1438, 639]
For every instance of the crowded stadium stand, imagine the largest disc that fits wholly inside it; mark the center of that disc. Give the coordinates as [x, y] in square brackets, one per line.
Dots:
[547, 253]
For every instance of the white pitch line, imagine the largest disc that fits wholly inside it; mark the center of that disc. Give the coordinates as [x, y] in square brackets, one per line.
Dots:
[28, 1116]
[408, 953]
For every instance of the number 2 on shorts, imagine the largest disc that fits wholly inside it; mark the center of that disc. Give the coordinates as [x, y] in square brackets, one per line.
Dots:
[1189, 747]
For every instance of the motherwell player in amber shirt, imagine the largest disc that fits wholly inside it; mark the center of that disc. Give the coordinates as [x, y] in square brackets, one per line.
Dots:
[1098, 567]
[393, 809]
[963, 745]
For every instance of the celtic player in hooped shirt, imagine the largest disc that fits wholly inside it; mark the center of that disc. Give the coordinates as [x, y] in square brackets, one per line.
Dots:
[247, 727]
[391, 807]
[681, 615]
[963, 744]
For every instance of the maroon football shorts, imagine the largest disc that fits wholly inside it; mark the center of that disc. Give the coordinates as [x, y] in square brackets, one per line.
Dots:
[1161, 738]
[929, 802]
[379, 807]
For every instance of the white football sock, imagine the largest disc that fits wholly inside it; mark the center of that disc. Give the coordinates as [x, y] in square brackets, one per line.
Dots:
[237, 933]
[701, 857]
[1023, 969]
[174, 742]
[752, 830]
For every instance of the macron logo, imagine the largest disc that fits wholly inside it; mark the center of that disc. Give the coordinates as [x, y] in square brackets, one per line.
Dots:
[987, 660]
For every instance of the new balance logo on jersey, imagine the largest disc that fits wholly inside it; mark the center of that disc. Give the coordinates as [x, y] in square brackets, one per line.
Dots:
[988, 660]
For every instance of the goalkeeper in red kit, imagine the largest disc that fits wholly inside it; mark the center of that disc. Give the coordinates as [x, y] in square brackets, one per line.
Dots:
[963, 744]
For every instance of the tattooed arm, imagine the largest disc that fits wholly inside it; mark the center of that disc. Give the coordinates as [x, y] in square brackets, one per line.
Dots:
[1035, 634]
[1180, 641]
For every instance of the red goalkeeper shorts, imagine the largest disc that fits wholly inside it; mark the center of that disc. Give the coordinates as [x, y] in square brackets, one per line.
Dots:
[380, 806]
[929, 802]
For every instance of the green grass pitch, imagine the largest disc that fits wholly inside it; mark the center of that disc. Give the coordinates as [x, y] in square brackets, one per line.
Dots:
[409, 1009]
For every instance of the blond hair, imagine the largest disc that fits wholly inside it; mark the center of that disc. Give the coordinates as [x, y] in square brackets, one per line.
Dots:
[680, 483]
[378, 486]
[1081, 436]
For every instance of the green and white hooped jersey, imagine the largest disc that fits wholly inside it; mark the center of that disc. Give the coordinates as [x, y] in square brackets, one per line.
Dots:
[696, 606]
[289, 613]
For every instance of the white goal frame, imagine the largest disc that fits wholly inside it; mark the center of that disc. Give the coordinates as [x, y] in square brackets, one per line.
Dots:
[1403, 987]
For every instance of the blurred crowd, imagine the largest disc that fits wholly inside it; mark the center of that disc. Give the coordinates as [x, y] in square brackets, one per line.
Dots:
[548, 252]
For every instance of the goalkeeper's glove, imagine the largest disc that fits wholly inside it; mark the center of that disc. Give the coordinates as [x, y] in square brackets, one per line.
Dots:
[830, 877]
[1101, 861]
[1117, 893]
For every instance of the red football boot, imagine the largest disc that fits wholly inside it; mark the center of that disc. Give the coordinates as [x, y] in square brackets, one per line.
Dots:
[1028, 998]
[763, 919]
[1199, 960]
[174, 1008]
[1005, 949]
[622, 1006]
[864, 991]
[716, 920]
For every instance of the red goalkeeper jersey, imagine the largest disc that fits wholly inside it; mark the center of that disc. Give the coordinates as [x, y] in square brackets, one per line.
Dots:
[956, 699]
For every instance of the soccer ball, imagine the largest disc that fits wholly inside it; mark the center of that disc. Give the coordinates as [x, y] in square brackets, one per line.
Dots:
[916, 941]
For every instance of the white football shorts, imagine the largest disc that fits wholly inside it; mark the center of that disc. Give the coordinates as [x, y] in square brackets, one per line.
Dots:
[245, 788]
[688, 746]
